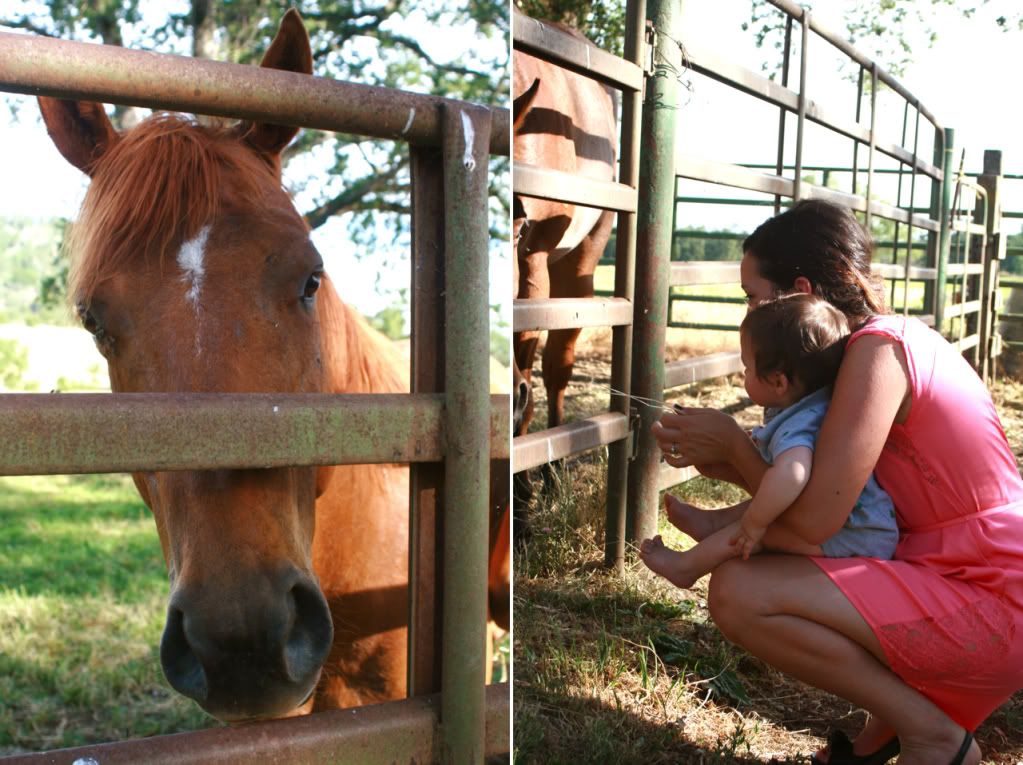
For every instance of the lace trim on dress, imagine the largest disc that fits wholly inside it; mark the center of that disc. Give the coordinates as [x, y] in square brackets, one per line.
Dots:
[963, 645]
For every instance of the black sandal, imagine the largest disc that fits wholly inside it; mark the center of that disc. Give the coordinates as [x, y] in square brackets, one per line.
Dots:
[840, 752]
[963, 749]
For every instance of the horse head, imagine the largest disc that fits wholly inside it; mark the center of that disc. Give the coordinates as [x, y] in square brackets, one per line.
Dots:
[195, 273]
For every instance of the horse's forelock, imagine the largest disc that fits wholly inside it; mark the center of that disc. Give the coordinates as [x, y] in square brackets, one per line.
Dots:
[158, 187]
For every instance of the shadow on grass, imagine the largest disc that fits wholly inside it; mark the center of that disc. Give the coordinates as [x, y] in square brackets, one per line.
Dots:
[557, 728]
[72, 536]
[565, 626]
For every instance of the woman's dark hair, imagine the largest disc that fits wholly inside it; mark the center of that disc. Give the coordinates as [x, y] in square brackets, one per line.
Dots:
[802, 336]
[824, 243]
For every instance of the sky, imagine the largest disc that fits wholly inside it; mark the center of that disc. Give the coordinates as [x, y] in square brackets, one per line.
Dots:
[962, 79]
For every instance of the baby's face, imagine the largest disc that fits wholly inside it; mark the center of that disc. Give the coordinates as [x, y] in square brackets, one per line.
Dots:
[760, 391]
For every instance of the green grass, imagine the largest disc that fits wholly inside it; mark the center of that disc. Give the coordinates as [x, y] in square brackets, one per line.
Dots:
[83, 592]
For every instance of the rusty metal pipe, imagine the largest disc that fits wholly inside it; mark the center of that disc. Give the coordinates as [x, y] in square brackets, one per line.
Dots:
[398, 731]
[109, 433]
[40, 66]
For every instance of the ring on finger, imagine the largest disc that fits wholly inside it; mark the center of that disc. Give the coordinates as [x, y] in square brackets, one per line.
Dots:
[674, 450]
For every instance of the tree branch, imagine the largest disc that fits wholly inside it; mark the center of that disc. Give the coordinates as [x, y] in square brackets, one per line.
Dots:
[354, 196]
[25, 23]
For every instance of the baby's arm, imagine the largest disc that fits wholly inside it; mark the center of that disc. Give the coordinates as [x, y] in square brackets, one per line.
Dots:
[779, 488]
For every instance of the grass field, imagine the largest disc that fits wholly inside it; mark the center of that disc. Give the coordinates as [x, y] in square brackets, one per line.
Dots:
[632, 670]
[83, 592]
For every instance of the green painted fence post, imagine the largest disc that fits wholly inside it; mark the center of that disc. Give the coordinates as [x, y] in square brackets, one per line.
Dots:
[653, 252]
[945, 219]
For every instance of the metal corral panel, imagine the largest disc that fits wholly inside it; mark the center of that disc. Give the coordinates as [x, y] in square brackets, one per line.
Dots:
[960, 309]
[704, 272]
[536, 449]
[690, 371]
[697, 168]
[540, 182]
[121, 432]
[893, 271]
[570, 313]
[107, 73]
[669, 476]
[398, 731]
[552, 44]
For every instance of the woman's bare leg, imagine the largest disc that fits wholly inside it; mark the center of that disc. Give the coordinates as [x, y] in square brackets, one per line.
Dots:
[786, 611]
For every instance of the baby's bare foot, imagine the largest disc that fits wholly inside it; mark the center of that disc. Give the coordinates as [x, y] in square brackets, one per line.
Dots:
[689, 519]
[670, 564]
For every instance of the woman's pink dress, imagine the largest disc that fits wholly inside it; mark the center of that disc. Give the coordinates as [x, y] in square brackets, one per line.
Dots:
[948, 610]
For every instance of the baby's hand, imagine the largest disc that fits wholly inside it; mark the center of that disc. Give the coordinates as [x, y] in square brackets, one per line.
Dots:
[746, 538]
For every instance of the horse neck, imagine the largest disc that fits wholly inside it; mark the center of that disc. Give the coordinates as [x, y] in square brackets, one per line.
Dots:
[356, 358]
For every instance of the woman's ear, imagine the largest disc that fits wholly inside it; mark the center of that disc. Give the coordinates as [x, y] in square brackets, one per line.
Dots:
[802, 285]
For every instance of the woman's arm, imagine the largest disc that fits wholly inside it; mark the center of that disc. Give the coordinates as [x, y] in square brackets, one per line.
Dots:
[872, 391]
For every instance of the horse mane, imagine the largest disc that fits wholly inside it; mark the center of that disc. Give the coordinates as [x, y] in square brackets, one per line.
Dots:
[154, 188]
[356, 358]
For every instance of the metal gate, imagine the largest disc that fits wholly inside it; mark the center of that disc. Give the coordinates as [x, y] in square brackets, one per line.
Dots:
[447, 429]
[960, 272]
[611, 428]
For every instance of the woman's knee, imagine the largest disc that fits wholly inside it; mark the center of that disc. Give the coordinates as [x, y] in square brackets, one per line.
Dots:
[728, 596]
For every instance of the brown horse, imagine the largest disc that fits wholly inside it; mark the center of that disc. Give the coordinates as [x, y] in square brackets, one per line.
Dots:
[561, 121]
[194, 272]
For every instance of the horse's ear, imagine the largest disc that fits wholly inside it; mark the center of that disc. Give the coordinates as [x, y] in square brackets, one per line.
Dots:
[290, 52]
[81, 130]
[522, 105]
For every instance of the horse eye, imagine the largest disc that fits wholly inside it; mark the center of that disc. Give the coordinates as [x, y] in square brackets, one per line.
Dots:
[311, 285]
[87, 319]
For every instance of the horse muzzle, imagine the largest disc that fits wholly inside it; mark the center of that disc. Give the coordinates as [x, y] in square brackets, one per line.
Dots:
[254, 653]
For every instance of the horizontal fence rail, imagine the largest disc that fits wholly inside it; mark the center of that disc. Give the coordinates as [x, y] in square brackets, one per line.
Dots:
[63, 69]
[398, 731]
[570, 313]
[569, 52]
[535, 449]
[123, 432]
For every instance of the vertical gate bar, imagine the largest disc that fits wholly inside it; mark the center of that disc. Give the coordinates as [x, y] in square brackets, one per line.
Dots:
[873, 141]
[898, 199]
[945, 233]
[856, 141]
[991, 180]
[466, 467]
[797, 182]
[912, 202]
[934, 237]
[782, 113]
[625, 269]
[653, 248]
[426, 482]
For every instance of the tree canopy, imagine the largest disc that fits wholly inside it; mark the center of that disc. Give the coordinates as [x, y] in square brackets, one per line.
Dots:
[450, 49]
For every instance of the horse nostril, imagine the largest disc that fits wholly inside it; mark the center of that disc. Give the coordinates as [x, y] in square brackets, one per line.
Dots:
[311, 634]
[181, 666]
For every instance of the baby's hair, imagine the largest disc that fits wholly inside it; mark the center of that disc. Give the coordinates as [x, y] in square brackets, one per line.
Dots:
[802, 336]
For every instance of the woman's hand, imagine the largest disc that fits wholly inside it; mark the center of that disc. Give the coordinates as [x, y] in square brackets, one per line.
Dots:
[695, 436]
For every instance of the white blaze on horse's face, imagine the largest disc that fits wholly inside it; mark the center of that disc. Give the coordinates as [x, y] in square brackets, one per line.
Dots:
[191, 259]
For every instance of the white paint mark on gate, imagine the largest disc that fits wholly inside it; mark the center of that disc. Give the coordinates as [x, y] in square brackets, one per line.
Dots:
[411, 116]
[470, 137]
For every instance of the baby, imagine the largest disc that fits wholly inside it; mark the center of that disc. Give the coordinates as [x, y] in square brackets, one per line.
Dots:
[791, 348]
